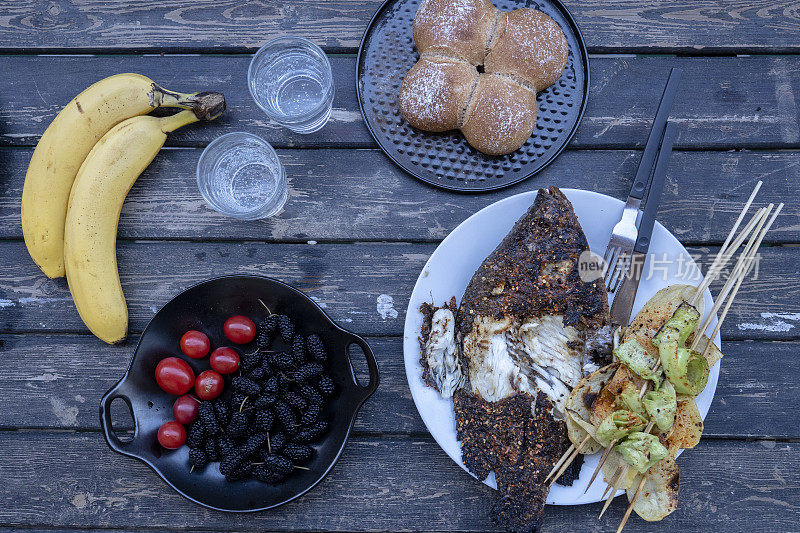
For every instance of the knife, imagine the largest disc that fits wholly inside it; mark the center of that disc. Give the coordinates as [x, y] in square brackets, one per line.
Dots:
[625, 296]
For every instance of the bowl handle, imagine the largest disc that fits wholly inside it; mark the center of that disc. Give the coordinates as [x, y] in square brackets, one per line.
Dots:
[372, 365]
[113, 441]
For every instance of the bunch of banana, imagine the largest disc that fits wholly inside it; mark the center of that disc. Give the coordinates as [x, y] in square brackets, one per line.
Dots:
[79, 175]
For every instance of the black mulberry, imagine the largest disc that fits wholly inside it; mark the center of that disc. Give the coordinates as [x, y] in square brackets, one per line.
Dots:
[231, 463]
[272, 385]
[283, 360]
[315, 347]
[245, 386]
[326, 386]
[310, 415]
[240, 473]
[196, 437]
[209, 419]
[311, 433]
[308, 371]
[212, 451]
[257, 374]
[197, 457]
[265, 474]
[298, 350]
[286, 328]
[222, 410]
[253, 443]
[225, 446]
[266, 331]
[298, 453]
[237, 427]
[311, 394]
[264, 419]
[295, 400]
[277, 442]
[285, 415]
[278, 463]
[249, 361]
[265, 400]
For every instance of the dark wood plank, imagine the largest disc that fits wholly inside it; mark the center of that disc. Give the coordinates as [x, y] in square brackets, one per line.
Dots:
[347, 279]
[726, 102]
[685, 26]
[56, 381]
[383, 484]
[345, 195]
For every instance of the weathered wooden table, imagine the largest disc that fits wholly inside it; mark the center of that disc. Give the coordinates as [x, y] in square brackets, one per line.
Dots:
[356, 228]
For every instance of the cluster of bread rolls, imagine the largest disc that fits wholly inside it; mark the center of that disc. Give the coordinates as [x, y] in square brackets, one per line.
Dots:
[522, 52]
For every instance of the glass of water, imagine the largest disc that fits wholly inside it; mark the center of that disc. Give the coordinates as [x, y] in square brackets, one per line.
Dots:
[290, 79]
[239, 175]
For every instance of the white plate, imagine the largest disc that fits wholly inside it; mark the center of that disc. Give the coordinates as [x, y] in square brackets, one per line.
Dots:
[450, 268]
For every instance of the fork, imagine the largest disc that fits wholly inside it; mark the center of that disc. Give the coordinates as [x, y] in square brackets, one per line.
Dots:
[616, 260]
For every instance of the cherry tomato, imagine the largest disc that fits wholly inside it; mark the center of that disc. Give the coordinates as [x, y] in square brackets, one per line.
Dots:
[209, 385]
[195, 344]
[171, 435]
[224, 360]
[185, 409]
[239, 329]
[174, 375]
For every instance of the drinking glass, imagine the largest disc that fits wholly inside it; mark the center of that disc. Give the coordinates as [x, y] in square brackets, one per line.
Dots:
[239, 175]
[290, 79]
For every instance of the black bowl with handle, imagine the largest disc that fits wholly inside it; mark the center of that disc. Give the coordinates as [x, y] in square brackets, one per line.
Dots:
[205, 307]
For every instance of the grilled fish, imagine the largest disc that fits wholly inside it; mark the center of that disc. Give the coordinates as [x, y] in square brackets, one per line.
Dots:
[527, 330]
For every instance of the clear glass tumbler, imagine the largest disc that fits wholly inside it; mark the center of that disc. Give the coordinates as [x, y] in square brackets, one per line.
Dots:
[239, 175]
[290, 79]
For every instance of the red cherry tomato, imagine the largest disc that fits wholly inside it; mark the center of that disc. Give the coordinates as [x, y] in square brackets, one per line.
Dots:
[174, 375]
[171, 435]
[209, 385]
[224, 360]
[239, 329]
[195, 344]
[185, 409]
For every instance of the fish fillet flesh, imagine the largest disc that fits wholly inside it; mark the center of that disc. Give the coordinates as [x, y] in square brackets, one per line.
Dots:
[527, 330]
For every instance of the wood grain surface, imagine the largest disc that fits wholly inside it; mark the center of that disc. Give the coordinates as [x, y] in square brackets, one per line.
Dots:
[346, 279]
[725, 102]
[706, 26]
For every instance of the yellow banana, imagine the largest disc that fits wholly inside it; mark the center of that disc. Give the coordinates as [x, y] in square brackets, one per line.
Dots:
[95, 202]
[63, 147]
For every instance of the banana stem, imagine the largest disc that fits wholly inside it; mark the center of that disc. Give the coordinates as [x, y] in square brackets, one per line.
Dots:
[206, 105]
[178, 120]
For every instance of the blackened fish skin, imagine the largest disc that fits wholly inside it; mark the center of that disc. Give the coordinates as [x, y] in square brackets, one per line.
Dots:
[534, 271]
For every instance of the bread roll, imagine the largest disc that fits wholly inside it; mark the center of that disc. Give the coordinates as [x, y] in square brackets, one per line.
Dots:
[434, 93]
[531, 46]
[455, 27]
[501, 115]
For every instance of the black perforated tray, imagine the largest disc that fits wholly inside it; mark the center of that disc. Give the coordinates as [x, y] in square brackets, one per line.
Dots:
[446, 160]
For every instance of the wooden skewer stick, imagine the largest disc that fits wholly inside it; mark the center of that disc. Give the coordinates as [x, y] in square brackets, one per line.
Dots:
[561, 461]
[740, 263]
[724, 248]
[569, 456]
[633, 502]
[722, 259]
[611, 490]
[569, 460]
[600, 464]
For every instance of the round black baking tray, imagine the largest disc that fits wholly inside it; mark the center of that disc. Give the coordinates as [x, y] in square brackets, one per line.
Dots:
[446, 160]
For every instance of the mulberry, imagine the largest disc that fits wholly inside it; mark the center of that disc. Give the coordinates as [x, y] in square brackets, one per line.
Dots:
[266, 331]
[311, 433]
[285, 415]
[266, 475]
[225, 446]
[264, 419]
[265, 400]
[326, 386]
[253, 443]
[298, 453]
[197, 457]
[310, 415]
[286, 328]
[298, 350]
[295, 400]
[278, 463]
[311, 394]
[240, 473]
[237, 427]
[277, 442]
[308, 371]
[283, 360]
[257, 374]
[196, 437]
[222, 410]
[249, 361]
[231, 463]
[315, 347]
[272, 385]
[209, 419]
[212, 451]
[245, 386]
